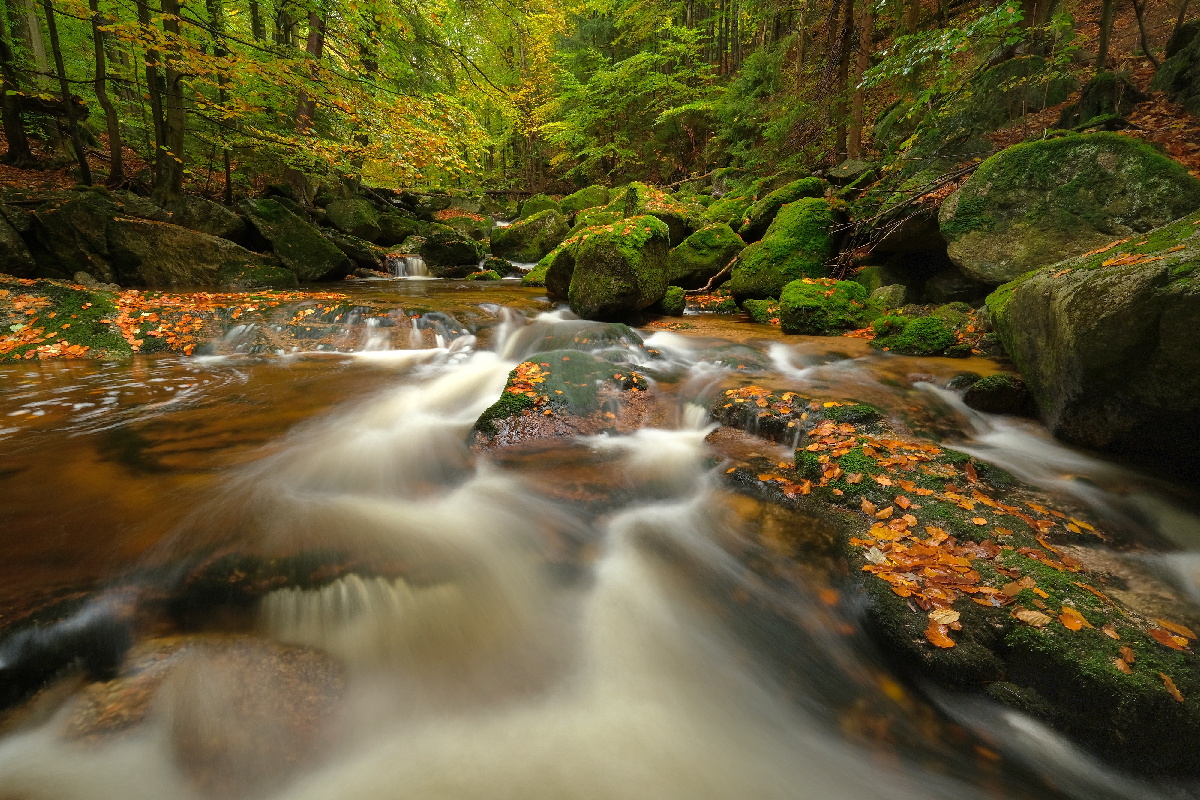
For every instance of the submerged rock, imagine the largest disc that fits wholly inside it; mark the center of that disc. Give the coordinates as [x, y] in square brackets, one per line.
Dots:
[1040, 202]
[999, 394]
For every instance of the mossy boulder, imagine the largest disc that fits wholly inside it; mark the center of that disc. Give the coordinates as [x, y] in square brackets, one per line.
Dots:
[1037, 203]
[797, 245]
[360, 251]
[148, 253]
[588, 197]
[639, 199]
[673, 302]
[763, 312]
[394, 228]
[612, 271]
[591, 217]
[760, 215]
[821, 307]
[537, 275]
[920, 336]
[699, 257]
[446, 247]
[205, 216]
[15, 258]
[1179, 74]
[67, 316]
[1111, 353]
[530, 239]
[70, 233]
[730, 209]
[999, 394]
[298, 244]
[537, 204]
[355, 216]
[485, 275]
[240, 278]
[1106, 95]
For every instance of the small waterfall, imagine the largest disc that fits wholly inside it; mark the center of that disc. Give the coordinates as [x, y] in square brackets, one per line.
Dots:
[407, 265]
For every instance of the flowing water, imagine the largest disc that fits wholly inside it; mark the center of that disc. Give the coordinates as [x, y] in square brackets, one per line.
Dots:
[579, 617]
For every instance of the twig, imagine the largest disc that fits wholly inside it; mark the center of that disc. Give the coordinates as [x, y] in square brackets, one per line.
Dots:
[708, 286]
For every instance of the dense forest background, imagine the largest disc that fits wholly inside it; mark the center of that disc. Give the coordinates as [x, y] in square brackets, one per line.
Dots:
[223, 96]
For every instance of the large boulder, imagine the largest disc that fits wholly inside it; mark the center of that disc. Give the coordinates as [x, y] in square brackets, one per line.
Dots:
[760, 215]
[354, 216]
[639, 199]
[446, 247]
[148, 253]
[71, 234]
[1179, 74]
[364, 254]
[1041, 202]
[822, 307]
[298, 244]
[205, 216]
[588, 197]
[796, 246]
[394, 228]
[537, 204]
[702, 255]
[612, 271]
[15, 258]
[1109, 345]
[530, 239]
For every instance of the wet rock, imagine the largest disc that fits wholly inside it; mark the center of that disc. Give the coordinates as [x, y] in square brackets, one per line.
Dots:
[999, 394]
[797, 245]
[760, 215]
[1037, 203]
[355, 216]
[394, 228]
[613, 271]
[447, 252]
[1111, 353]
[922, 336]
[588, 197]
[531, 238]
[256, 276]
[893, 296]
[298, 244]
[537, 204]
[823, 307]
[703, 255]
[205, 216]
[148, 253]
[15, 258]
[361, 252]
[673, 302]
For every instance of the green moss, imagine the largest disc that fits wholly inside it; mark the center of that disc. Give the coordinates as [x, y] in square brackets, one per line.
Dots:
[673, 302]
[509, 405]
[889, 325]
[530, 238]
[856, 414]
[764, 312]
[702, 255]
[537, 275]
[822, 307]
[924, 336]
[730, 210]
[589, 197]
[537, 204]
[485, 275]
[797, 245]
[760, 215]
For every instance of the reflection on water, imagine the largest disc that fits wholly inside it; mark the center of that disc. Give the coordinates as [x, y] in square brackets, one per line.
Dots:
[590, 618]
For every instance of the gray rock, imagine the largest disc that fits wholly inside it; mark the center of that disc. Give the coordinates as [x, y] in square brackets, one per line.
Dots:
[354, 216]
[446, 247]
[701, 256]
[15, 258]
[299, 245]
[148, 253]
[205, 216]
[893, 296]
[530, 239]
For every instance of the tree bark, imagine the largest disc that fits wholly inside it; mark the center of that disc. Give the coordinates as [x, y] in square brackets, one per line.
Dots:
[865, 31]
[18, 154]
[843, 74]
[305, 105]
[168, 162]
[216, 13]
[1139, 8]
[85, 172]
[116, 147]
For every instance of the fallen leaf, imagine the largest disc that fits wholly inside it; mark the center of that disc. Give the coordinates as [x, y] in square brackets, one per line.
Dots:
[1035, 618]
[1122, 665]
[1127, 654]
[1072, 619]
[936, 633]
[1175, 627]
[1171, 687]
[944, 616]
[1110, 632]
[979, 520]
[1164, 638]
[868, 507]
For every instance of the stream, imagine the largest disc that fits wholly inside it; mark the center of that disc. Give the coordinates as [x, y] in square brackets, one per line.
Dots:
[593, 617]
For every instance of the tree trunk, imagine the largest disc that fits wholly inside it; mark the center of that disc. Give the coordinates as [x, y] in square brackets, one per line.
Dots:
[1107, 7]
[19, 154]
[168, 162]
[216, 13]
[1139, 8]
[85, 172]
[31, 33]
[843, 74]
[116, 164]
[305, 105]
[865, 31]
[911, 16]
[153, 83]
[257, 30]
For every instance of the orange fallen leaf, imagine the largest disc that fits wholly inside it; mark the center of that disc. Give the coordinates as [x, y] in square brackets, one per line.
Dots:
[1035, 618]
[868, 507]
[979, 520]
[1176, 628]
[1172, 689]
[936, 634]
[1072, 619]
[1127, 654]
[1164, 638]
[1110, 632]
[1122, 665]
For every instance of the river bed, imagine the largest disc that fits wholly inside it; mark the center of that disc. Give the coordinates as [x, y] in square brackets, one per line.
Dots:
[580, 617]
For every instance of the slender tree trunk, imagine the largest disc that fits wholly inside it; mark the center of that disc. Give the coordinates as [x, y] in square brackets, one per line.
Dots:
[911, 16]
[1139, 8]
[216, 13]
[153, 83]
[843, 74]
[18, 154]
[257, 30]
[1183, 7]
[865, 31]
[116, 164]
[85, 172]
[1107, 7]
[31, 33]
[305, 105]
[168, 162]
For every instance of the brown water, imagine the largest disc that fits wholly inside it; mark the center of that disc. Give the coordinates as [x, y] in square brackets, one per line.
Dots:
[573, 618]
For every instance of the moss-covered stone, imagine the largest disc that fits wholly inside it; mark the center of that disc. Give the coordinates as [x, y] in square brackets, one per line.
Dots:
[537, 275]
[593, 217]
[763, 312]
[15, 258]
[730, 210]
[999, 394]
[299, 245]
[355, 216]
[537, 204]
[208, 217]
[394, 228]
[148, 253]
[240, 278]
[702, 255]
[673, 302]
[1111, 353]
[588, 197]
[923, 336]
[1179, 74]
[65, 316]
[446, 247]
[1040, 202]
[639, 199]
[611, 271]
[816, 307]
[797, 245]
[485, 275]
[760, 215]
[531, 238]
